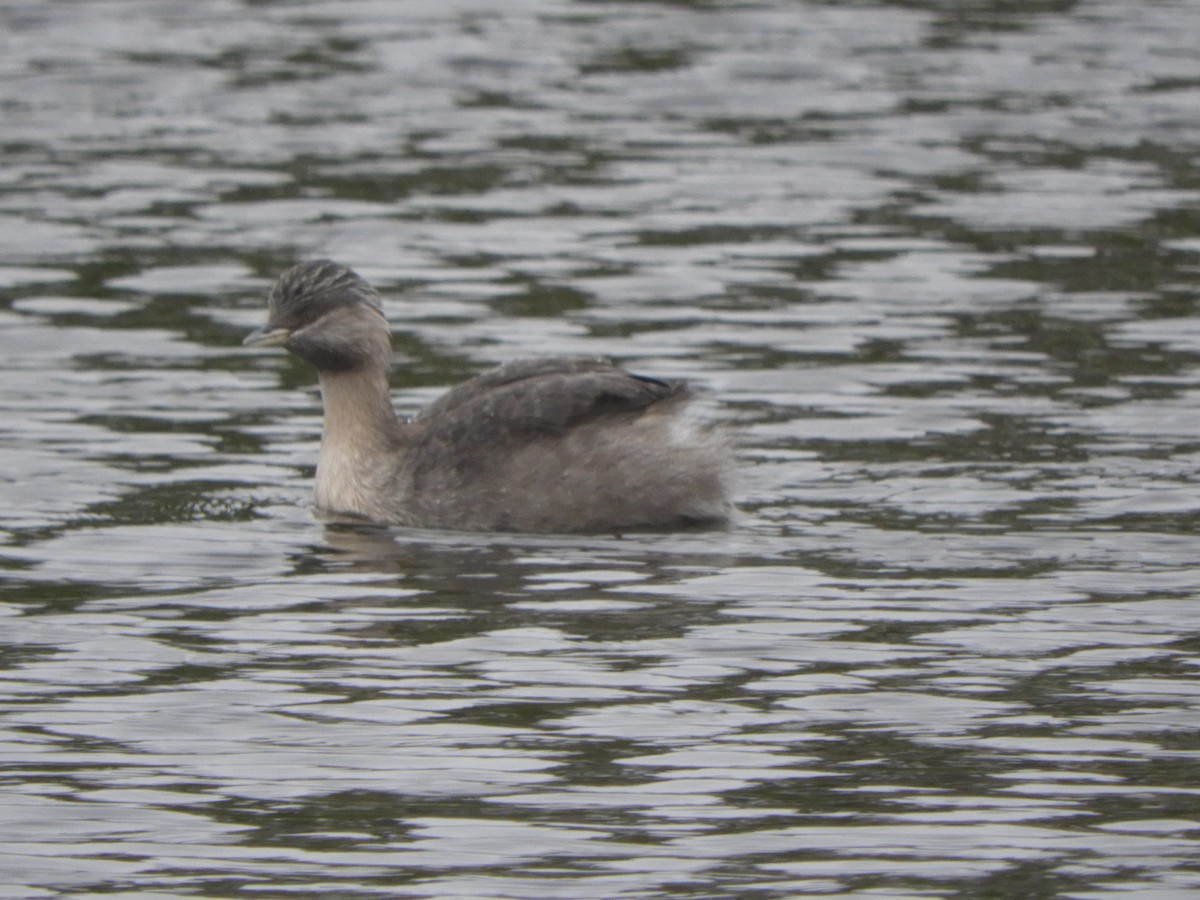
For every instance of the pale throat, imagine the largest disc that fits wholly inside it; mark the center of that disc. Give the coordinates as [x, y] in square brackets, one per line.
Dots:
[357, 440]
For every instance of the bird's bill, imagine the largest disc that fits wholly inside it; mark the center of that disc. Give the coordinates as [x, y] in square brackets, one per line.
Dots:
[267, 337]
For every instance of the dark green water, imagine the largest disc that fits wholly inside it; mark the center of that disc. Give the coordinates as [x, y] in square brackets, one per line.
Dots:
[938, 263]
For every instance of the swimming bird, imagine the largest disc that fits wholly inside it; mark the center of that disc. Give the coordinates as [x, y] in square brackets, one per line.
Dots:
[555, 445]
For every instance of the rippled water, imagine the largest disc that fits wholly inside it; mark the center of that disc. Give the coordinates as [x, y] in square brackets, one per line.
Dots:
[938, 262]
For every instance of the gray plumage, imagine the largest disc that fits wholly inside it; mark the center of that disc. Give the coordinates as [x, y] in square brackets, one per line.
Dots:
[549, 445]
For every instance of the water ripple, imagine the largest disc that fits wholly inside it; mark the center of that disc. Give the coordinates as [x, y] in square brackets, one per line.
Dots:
[938, 268]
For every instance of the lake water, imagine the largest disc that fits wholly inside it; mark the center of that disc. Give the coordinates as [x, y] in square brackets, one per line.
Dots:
[937, 261]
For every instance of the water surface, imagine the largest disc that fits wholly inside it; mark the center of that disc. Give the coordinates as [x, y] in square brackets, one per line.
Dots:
[938, 264]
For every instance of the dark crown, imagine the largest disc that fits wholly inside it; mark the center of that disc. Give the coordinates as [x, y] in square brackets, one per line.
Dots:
[309, 290]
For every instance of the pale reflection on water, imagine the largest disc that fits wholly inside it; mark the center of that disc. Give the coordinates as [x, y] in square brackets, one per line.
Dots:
[939, 267]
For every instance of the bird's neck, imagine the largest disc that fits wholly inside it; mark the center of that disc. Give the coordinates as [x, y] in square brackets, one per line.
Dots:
[358, 442]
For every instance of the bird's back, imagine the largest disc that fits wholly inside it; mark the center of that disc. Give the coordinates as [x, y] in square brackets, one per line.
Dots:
[570, 444]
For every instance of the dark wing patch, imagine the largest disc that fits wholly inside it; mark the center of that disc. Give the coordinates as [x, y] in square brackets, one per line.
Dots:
[525, 401]
[532, 371]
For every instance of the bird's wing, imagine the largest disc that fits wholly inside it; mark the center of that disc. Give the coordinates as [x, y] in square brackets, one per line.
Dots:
[509, 374]
[527, 400]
